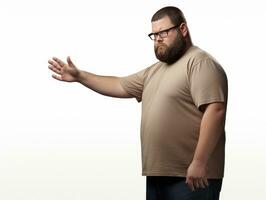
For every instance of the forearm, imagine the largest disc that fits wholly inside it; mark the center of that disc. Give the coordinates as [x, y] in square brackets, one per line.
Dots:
[211, 129]
[105, 85]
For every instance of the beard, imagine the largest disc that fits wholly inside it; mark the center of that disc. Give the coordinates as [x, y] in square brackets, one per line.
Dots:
[170, 54]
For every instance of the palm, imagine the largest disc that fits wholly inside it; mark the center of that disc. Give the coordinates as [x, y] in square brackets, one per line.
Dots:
[69, 73]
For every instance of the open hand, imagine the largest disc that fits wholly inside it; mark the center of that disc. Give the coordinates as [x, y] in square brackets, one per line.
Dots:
[64, 71]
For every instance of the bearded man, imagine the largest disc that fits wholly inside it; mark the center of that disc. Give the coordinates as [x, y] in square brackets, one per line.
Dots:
[184, 100]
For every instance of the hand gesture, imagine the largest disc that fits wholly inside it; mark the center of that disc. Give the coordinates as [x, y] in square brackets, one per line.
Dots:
[64, 71]
[196, 176]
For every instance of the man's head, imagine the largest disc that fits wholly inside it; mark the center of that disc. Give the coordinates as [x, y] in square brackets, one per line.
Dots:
[170, 34]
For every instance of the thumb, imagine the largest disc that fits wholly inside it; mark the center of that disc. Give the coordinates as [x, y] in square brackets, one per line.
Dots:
[69, 61]
[187, 180]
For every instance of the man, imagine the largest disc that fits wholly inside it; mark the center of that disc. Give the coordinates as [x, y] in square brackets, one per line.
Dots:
[184, 98]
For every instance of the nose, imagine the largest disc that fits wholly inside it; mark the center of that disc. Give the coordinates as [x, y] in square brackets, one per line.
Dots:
[158, 38]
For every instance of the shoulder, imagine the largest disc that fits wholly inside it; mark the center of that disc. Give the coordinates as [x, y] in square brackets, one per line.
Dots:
[198, 58]
[196, 55]
[151, 70]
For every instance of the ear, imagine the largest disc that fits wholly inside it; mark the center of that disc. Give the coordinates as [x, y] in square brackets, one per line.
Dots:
[183, 29]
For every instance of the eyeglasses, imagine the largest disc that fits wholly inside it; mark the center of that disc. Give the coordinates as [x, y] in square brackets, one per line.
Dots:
[162, 34]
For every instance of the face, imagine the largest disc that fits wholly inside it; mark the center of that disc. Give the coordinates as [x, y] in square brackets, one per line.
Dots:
[170, 48]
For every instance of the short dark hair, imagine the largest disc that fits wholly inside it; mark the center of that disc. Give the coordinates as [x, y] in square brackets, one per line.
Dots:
[175, 14]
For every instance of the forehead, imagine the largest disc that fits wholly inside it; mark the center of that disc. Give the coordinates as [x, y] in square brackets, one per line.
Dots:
[161, 24]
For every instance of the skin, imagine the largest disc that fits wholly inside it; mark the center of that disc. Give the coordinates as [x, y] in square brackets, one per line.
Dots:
[105, 85]
[212, 125]
[213, 119]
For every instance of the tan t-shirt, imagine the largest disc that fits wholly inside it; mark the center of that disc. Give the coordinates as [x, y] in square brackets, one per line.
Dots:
[171, 96]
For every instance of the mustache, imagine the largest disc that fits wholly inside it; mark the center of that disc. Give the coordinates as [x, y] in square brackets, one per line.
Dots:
[160, 45]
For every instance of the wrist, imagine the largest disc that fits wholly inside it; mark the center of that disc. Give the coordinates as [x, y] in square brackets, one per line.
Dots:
[198, 161]
[80, 76]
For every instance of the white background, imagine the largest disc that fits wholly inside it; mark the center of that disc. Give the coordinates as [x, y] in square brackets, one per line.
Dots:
[61, 141]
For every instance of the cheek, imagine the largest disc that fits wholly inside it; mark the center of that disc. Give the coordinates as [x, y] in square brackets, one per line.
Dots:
[169, 41]
[172, 40]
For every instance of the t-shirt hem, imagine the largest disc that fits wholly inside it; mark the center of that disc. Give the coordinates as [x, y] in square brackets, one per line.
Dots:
[122, 83]
[163, 174]
[211, 100]
[178, 174]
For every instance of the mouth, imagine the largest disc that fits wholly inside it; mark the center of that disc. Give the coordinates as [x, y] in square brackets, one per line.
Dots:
[161, 48]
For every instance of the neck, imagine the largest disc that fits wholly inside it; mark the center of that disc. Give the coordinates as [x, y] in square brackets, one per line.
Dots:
[188, 44]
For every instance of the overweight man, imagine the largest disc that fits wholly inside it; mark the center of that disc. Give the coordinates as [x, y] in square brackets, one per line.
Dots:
[184, 100]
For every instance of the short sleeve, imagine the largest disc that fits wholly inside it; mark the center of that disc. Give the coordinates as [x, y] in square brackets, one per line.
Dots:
[134, 83]
[208, 82]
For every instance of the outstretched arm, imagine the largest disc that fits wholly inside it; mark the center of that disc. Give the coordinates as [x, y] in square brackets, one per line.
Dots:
[105, 85]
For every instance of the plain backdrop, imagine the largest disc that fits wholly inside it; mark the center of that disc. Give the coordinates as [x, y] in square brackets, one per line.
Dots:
[61, 141]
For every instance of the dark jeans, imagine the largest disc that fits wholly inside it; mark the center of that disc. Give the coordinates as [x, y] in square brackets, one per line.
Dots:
[175, 188]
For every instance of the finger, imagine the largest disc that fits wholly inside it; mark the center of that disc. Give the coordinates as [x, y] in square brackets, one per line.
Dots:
[54, 69]
[192, 186]
[59, 78]
[60, 62]
[205, 181]
[55, 64]
[69, 61]
[201, 183]
[189, 182]
[196, 183]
